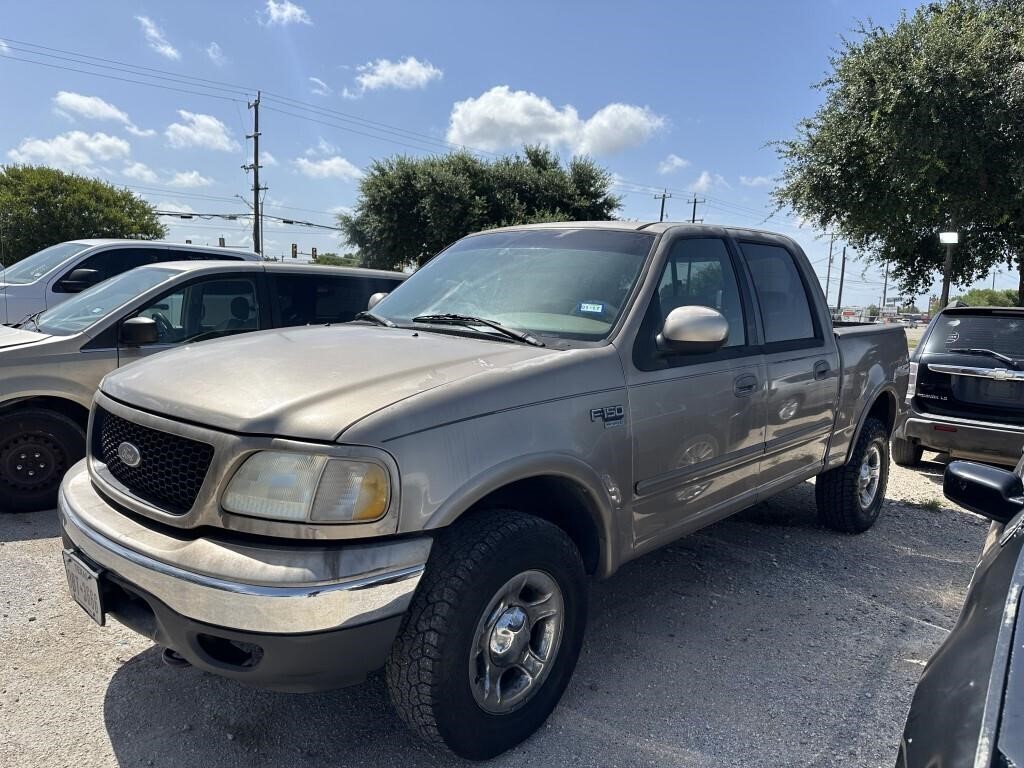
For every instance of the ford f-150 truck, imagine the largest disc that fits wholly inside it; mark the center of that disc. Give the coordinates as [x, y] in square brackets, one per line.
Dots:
[429, 488]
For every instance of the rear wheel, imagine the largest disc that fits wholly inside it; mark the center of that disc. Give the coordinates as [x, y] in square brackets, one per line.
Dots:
[850, 497]
[36, 448]
[906, 453]
[492, 637]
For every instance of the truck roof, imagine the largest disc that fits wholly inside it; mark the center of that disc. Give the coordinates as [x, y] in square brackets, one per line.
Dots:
[655, 227]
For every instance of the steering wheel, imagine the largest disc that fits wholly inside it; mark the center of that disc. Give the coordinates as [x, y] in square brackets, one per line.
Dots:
[164, 329]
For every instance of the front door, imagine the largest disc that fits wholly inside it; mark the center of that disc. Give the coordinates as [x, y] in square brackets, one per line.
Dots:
[207, 308]
[697, 420]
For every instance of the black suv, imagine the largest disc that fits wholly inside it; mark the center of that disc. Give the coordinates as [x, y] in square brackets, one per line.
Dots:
[966, 394]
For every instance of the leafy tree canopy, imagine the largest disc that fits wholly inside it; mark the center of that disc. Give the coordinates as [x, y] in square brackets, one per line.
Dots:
[334, 260]
[412, 207]
[986, 297]
[921, 130]
[40, 207]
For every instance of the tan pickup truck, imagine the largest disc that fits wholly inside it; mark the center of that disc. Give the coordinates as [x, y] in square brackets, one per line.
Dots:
[431, 487]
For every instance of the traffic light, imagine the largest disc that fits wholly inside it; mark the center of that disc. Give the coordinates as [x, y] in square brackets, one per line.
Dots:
[312, 252]
[295, 251]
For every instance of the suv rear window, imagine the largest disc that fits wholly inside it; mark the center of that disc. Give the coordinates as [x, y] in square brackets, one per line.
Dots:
[1002, 332]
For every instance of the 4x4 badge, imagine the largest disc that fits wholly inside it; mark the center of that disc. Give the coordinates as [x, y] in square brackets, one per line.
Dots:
[611, 415]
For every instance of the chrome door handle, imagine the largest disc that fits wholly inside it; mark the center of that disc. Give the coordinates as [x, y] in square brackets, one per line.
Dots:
[821, 370]
[744, 386]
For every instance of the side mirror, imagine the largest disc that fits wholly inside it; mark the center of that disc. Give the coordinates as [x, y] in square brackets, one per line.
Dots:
[79, 279]
[990, 492]
[137, 331]
[693, 330]
[375, 300]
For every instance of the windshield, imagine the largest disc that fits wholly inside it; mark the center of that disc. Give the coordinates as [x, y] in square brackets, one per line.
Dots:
[78, 313]
[31, 268]
[566, 283]
[999, 332]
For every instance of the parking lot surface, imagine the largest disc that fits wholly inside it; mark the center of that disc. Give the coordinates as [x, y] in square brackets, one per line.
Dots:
[764, 640]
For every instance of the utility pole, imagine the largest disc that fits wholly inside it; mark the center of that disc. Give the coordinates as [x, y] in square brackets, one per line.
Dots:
[693, 217]
[842, 276]
[663, 197]
[828, 274]
[257, 209]
[885, 287]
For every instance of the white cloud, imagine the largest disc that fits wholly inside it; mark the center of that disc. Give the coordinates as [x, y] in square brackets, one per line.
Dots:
[501, 118]
[319, 88]
[284, 13]
[671, 164]
[4, 48]
[140, 172]
[216, 54]
[167, 205]
[189, 179]
[706, 181]
[155, 38]
[333, 167]
[323, 147]
[408, 74]
[74, 151]
[67, 103]
[267, 159]
[204, 131]
[755, 181]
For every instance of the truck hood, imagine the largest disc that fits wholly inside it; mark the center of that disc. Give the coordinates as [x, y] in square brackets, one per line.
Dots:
[16, 337]
[305, 383]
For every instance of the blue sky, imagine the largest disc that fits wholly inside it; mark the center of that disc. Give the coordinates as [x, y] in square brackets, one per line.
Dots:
[681, 95]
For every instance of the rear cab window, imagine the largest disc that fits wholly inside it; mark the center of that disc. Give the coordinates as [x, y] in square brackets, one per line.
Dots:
[311, 299]
[782, 294]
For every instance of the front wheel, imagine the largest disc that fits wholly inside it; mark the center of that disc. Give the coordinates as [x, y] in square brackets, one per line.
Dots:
[492, 636]
[36, 448]
[850, 497]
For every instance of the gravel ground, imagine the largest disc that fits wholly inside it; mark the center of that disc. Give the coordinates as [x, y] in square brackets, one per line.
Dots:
[761, 641]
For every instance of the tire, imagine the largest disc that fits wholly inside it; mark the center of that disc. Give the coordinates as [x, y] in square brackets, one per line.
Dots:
[36, 448]
[841, 504]
[439, 660]
[906, 453]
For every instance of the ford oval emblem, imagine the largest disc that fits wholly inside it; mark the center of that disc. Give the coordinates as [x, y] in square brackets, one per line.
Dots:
[129, 455]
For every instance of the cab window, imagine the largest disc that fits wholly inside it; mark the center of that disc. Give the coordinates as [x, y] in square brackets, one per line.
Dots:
[112, 262]
[318, 299]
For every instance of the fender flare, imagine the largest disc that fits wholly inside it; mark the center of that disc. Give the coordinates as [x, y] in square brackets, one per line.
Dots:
[885, 389]
[602, 510]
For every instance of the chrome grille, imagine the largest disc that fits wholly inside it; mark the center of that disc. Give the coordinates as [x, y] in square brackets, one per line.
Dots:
[170, 471]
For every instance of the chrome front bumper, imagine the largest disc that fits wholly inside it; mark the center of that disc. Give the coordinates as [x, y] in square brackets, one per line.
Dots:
[244, 586]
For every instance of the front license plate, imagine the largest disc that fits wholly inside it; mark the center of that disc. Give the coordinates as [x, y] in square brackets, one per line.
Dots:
[84, 584]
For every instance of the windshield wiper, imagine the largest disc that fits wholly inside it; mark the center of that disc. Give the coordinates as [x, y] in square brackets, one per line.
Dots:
[988, 353]
[374, 319]
[469, 321]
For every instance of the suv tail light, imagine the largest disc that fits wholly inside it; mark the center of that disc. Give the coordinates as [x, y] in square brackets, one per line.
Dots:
[912, 384]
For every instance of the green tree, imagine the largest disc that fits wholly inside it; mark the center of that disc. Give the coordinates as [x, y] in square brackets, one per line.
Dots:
[986, 297]
[334, 260]
[40, 207]
[921, 130]
[910, 309]
[411, 208]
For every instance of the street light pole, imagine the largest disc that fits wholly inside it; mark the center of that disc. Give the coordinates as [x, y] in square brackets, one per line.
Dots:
[949, 239]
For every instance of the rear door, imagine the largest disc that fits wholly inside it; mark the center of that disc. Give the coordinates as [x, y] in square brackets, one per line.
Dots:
[697, 420]
[802, 363]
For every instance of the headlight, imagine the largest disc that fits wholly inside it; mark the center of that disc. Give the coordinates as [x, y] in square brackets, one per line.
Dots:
[308, 488]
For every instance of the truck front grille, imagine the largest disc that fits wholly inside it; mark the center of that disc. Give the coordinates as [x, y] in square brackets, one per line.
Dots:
[171, 468]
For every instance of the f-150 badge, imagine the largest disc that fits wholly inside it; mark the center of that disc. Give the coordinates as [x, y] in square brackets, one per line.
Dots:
[611, 415]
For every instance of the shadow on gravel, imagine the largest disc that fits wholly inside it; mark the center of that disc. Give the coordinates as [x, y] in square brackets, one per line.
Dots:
[26, 526]
[764, 640]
